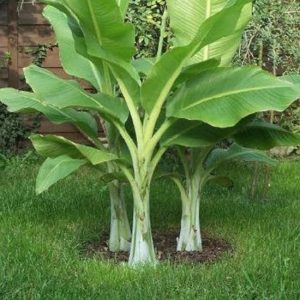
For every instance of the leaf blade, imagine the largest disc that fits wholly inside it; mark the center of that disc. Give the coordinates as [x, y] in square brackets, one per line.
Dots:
[72, 62]
[53, 146]
[66, 93]
[54, 170]
[19, 101]
[164, 73]
[264, 136]
[231, 94]
[236, 152]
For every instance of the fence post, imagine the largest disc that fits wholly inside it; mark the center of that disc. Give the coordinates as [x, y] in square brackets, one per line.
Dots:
[13, 72]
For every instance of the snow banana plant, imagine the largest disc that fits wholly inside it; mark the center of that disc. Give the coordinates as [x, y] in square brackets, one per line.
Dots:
[196, 170]
[77, 65]
[173, 89]
[203, 157]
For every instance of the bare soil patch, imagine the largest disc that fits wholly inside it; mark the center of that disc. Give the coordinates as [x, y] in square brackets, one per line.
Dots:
[165, 245]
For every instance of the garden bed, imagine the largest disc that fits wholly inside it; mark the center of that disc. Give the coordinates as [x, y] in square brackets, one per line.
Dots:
[165, 244]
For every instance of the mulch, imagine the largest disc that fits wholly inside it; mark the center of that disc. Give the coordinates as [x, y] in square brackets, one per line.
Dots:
[165, 245]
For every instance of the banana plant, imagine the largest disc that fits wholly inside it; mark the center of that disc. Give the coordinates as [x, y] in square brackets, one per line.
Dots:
[79, 66]
[196, 171]
[202, 157]
[219, 97]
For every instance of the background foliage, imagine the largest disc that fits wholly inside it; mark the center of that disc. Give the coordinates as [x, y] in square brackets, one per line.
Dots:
[272, 40]
[147, 16]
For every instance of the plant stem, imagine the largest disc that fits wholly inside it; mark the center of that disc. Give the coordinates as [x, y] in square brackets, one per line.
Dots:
[190, 234]
[142, 248]
[120, 233]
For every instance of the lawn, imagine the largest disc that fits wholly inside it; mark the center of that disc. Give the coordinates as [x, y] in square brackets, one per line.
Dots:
[42, 241]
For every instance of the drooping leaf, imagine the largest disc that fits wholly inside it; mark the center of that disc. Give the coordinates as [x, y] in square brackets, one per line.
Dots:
[197, 134]
[236, 152]
[264, 136]
[193, 134]
[223, 96]
[17, 101]
[185, 26]
[66, 93]
[74, 63]
[55, 169]
[53, 146]
[165, 72]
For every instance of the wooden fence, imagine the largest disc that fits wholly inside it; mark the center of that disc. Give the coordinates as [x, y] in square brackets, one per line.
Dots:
[20, 35]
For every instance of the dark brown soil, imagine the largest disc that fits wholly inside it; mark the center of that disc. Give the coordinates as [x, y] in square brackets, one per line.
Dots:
[165, 244]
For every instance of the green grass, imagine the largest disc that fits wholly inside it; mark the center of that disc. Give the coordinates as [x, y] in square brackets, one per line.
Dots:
[41, 241]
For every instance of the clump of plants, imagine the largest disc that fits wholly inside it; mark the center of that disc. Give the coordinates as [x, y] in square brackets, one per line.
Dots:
[188, 96]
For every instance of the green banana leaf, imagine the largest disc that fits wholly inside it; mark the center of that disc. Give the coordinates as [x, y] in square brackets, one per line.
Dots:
[236, 152]
[55, 169]
[17, 101]
[67, 93]
[53, 146]
[223, 96]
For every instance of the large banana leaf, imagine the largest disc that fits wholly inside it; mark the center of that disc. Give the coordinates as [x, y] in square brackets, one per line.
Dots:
[17, 101]
[185, 26]
[236, 152]
[264, 136]
[53, 146]
[248, 133]
[223, 96]
[103, 27]
[186, 16]
[73, 63]
[165, 72]
[55, 169]
[66, 93]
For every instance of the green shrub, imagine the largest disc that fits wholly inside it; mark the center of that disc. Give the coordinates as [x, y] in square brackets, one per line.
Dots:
[272, 37]
[11, 131]
[146, 15]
